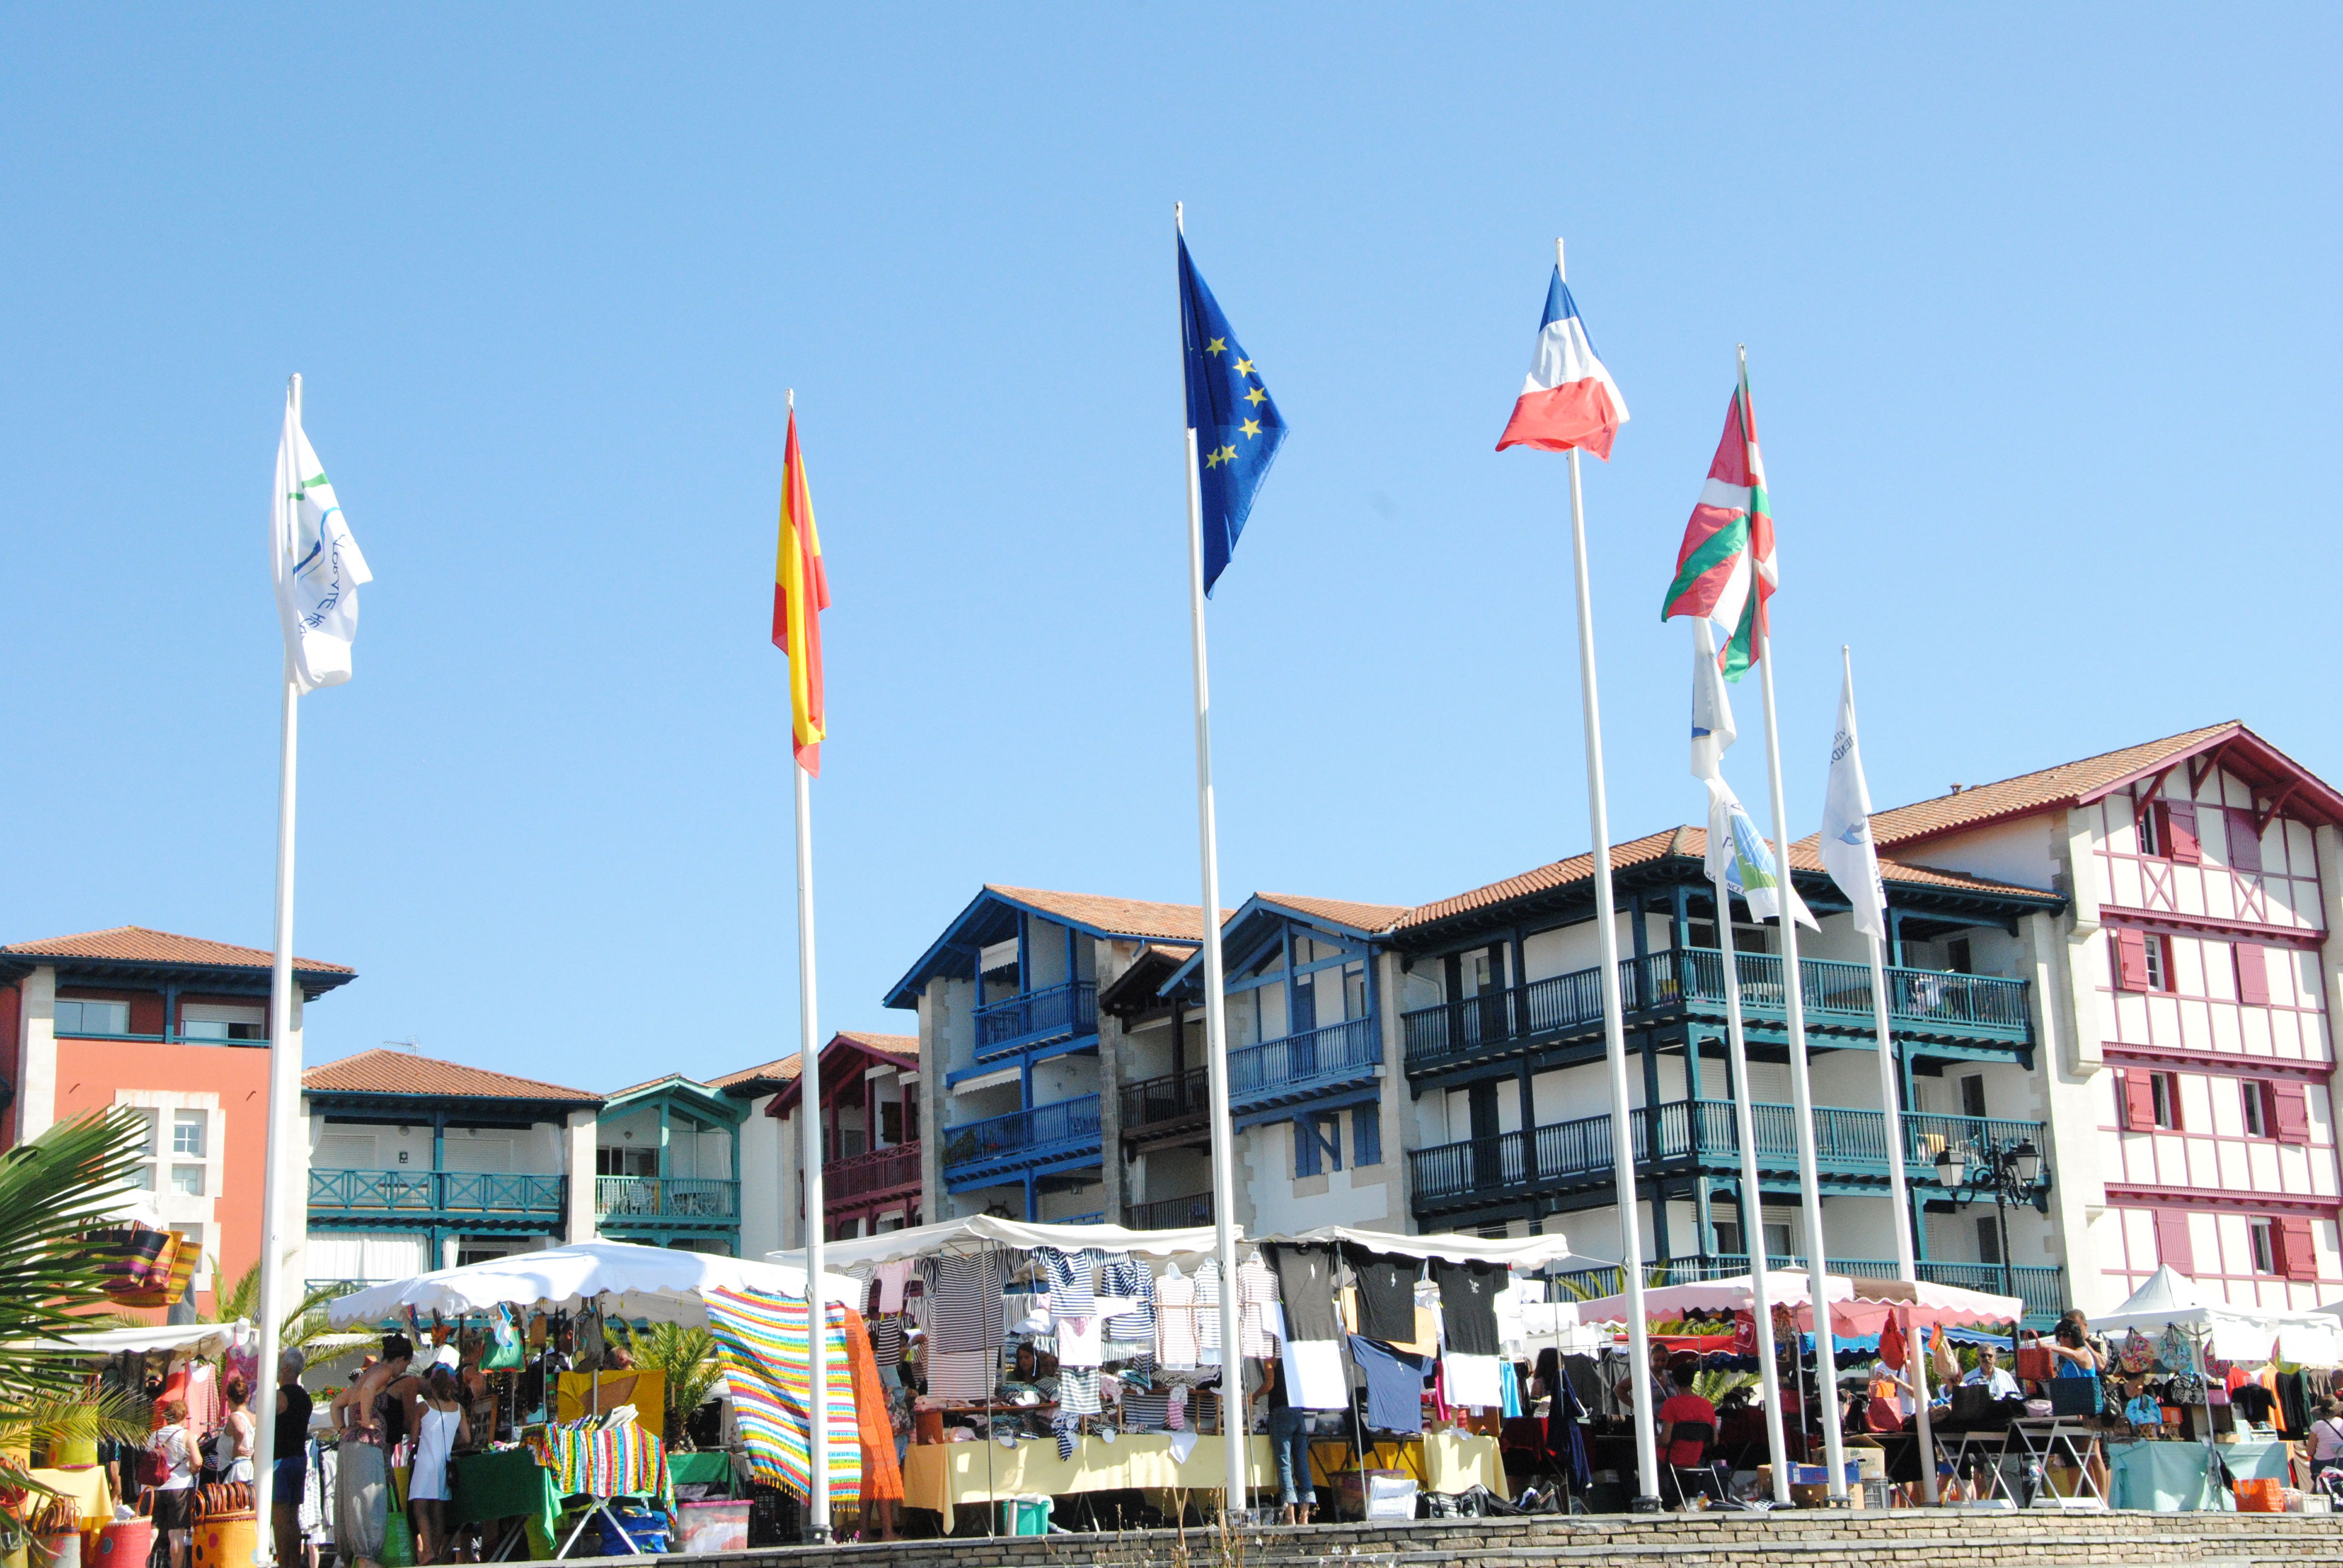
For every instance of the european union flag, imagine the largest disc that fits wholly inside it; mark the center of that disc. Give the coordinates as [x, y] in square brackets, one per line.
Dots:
[1237, 426]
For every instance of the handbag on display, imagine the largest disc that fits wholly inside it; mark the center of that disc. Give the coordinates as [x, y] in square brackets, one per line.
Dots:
[503, 1353]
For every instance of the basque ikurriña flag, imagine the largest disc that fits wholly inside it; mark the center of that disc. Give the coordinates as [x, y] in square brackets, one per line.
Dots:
[1569, 399]
[1725, 568]
[1237, 428]
[801, 593]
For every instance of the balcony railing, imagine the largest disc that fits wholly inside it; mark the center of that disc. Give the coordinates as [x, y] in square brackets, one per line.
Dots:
[1838, 997]
[1176, 1097]
[1847, 1144]
[1170, 1213]
[623, 1200]
[1043, 1017]
[1301, 1065]
[2042, 1287]
[880, 1170]
[1025, 1137]
[436, 1193]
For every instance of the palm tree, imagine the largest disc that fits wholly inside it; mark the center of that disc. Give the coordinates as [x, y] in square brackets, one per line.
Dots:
[54, 1189]
[304, 1328]
[688, 1357]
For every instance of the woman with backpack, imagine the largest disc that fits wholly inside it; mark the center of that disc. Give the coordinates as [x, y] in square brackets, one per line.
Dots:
[171, 1472]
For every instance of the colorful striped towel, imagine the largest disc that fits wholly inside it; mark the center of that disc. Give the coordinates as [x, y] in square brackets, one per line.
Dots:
[768, 1362]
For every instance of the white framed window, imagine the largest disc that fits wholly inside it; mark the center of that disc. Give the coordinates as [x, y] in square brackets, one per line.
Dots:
[219, 1020]
[93, 1018]
[2261, 1236]
[187, 1132]
[187, 1179]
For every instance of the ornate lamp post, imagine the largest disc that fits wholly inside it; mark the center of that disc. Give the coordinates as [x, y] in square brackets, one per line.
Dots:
[2008, 1169]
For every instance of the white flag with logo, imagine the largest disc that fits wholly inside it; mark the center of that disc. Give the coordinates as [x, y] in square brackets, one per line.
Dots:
[1847, 851]
[315, 562]
[1736, 850]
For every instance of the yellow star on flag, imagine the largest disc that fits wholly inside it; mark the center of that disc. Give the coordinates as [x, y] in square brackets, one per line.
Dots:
[1256, 397]
[1217, 346]
[1228, 454]
[1213, 459]
[1249, 427]
[1244, 367]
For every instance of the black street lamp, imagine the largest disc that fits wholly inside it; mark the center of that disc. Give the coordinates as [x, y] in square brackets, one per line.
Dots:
[2010, 1169]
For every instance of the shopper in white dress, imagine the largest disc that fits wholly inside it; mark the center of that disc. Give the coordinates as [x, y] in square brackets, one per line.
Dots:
[440, 1427]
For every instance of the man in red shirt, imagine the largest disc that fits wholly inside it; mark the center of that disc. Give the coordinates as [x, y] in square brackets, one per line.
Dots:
[1687, 1422]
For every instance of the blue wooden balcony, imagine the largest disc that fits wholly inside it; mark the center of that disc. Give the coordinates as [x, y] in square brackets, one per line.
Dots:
[1688, 1137]
[1063, 1134]
[1053, 1016]
[1304, 1066]
[348, 1197]
[1562, 1009]
[627, 1204]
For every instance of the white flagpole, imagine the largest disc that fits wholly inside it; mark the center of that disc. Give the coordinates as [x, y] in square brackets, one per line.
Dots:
[1752, 1206]
[1907, 1266]
[284, 1089]
[1235, 1441]
[1614, 1038]
[1801, 1087]
[810, 1145]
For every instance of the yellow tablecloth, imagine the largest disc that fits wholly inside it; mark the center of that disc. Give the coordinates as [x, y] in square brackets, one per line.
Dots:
[88, 1488]
[1444, 1461]
[939, 1474]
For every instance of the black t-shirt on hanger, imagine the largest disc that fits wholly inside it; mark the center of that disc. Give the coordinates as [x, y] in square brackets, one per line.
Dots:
[1386, 1287]
[1468, 1305]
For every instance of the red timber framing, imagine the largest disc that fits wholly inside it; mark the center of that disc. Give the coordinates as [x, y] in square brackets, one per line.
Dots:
[869, 1114]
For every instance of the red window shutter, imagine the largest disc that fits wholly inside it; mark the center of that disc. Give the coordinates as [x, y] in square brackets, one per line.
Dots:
[2244, 842]
[2172, 1241]
[2131, 961]
[2180, 833]
[2294, 1259]
[2136, 1093]
[2290, 1106]
[2253, 974]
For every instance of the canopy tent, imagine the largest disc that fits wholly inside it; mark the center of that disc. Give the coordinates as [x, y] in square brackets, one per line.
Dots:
[2249, 1334]
[1857, 1306]
[197, 1339]
[1523, 1252]
[629, 1280]
[981, 1229]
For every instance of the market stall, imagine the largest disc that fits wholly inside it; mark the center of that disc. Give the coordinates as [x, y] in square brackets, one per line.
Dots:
[610, 1450]
[2235, 1378]
[1101, 1369]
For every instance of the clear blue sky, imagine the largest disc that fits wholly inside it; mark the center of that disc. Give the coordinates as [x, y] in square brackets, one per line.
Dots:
[2042, 313]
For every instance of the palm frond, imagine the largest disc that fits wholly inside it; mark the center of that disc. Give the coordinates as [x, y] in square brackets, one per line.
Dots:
[54, 1418]
[54, 1189]
[687, 1358]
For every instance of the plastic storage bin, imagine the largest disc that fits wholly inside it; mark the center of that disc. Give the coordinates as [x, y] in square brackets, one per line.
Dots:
[715, 1526]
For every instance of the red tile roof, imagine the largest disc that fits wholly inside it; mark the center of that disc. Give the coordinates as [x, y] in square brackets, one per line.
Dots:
[1120, 917]
[2240, 751]
[902, 1049]
[2064, 785]
[137, 944]
[1341, 912]
[1690, 843]
[383, 1071]
[781, 1069]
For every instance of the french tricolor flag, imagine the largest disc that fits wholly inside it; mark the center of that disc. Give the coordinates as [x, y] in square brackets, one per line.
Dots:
[1568, 398]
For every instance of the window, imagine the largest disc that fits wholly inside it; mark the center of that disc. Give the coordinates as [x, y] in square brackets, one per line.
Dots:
[1366, 1136]
[1958, 957]
[1317, 1142]
[2262, 1236]
[2143, 961]
[1354, 990]
[1988, 1241]
[209, 1021]
[890, 1125]
[1973, 1095]
[93, 1018]
[188, 1179]
[616, 1160]
[2259, 1116]
[2158, 952]
[1477, 974]
[2166, 1088]
[187, 1132]
[1779, 1240]
[2167, 830]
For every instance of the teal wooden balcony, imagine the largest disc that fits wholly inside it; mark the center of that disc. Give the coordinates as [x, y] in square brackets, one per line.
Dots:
[351, 1197]
[624, 1204]
[1065, 1133]
[1051, 1016]
[1922, 1005]
[1688, 1137]
[1304, 1066]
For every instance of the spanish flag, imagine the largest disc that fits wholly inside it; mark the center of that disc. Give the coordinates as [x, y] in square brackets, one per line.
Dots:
[801, 593]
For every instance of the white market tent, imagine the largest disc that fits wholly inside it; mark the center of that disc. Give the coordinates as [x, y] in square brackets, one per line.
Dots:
[1854, 1310]
[2250, 1335]
[1523, 1252]
[197, 1339]
[981, 1229]
[627, 1281]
